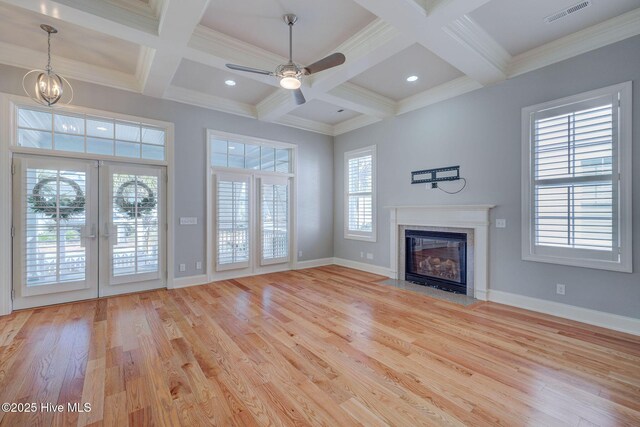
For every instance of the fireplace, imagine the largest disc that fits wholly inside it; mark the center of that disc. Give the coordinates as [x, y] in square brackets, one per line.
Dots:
[438, 259]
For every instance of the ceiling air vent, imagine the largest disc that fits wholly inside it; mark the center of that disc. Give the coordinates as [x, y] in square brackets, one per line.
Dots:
[568, 11]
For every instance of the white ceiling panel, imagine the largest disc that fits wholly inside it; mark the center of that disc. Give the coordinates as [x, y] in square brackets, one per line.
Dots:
[324, 112]
[201, 78]
[519, 25]
[389, 78]
[22, 28]
[321, 26]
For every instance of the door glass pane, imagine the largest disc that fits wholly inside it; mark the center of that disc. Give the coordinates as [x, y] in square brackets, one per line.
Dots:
[135, 230]
[275, 222]
[55, 217]
[233, 221]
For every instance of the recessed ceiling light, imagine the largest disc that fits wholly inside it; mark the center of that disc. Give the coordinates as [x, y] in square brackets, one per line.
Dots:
[230, 82]
[102, 128]
[412, 78]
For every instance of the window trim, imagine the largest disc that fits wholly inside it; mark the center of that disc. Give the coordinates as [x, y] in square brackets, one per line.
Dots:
[16, 102]
[576, 257]
[254, 268]
[359, 235]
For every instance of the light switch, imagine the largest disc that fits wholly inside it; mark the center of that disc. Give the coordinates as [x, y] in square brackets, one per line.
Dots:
[188, 220]
[501, 223]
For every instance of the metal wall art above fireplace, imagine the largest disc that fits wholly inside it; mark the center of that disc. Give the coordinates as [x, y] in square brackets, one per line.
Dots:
[437, 259]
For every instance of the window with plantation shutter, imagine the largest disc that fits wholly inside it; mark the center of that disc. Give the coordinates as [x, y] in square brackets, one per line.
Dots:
[274, 219]
[360, 206]
[577, 198]
[232, 221]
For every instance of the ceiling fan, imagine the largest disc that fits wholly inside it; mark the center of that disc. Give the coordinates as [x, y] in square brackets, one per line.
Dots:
[291, 73]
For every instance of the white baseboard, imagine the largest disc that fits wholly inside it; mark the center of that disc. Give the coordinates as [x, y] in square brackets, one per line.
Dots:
[616, 322]
[313, 263]
[370, 268]
[185, 282]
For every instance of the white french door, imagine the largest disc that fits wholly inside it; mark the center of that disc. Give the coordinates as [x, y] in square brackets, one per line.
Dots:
[84, 229]
[252, 222]
[132, 228]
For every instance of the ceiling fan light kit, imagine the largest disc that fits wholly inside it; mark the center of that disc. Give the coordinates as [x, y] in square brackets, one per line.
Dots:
[44, 86]
[290, 74]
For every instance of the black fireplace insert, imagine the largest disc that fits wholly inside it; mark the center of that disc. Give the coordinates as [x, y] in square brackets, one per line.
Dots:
[437, 259]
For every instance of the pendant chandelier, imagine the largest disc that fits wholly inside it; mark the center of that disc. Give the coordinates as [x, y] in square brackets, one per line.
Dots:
[44, 86]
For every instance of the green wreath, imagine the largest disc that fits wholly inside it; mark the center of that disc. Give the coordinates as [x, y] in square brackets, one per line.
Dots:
[135, 209]
[55, 208]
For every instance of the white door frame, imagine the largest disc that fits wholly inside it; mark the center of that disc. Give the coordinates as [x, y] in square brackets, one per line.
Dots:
[8, 146]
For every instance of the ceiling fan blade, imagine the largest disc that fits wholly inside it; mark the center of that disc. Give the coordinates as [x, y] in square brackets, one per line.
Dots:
[330, 61]
[299, 97]
[249, 69]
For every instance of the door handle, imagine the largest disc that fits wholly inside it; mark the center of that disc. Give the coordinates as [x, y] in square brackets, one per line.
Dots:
[106, 233]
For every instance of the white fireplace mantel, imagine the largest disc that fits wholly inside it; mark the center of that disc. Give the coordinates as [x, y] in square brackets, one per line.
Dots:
[475, 217]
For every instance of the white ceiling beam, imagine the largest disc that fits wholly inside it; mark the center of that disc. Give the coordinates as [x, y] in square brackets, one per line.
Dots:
[361, 100]
[139, 31]
[427, 27]
[353, 124]
[177, 24]
[201, 99]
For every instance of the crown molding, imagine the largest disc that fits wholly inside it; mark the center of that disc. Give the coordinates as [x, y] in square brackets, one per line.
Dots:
[305, 124]
[145, 59]
[605, 33]
[353, 124]
[468, 33]
[21, 57]
[437, 94]
[192, 97]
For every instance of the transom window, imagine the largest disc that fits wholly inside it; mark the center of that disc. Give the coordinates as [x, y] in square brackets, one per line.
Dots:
[82, 133]
[228, 153]
[576, 203]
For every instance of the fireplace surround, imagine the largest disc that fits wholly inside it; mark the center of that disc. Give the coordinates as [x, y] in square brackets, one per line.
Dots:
[473, 220]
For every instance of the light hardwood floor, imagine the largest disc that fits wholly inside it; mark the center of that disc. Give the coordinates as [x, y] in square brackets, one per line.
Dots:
[323, 346]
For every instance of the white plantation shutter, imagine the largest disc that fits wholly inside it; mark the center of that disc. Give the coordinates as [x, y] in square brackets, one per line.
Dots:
[274, 219]
[360, 194]
[574, 179]
[232, 221]
[135, 235]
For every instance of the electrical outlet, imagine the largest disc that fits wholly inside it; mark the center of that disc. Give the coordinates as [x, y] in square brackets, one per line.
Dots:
[299, 254]
[560, 289]
[199, 265]
[361, 254]
[501, 223]
[183, 267]
[369, 255]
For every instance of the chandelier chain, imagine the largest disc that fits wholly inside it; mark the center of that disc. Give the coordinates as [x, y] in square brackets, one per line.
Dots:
[48, 52]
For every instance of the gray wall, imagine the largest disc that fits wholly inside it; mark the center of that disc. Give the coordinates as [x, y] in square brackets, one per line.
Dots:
[480, 131]
[315, 163]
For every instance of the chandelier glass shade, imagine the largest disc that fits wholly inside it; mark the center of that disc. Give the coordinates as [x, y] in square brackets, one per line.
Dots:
[44, 86]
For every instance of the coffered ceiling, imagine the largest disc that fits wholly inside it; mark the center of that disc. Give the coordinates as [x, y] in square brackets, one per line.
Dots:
[176, 49]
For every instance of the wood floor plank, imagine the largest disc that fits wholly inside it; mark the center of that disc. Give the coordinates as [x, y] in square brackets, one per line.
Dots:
[322, 346]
